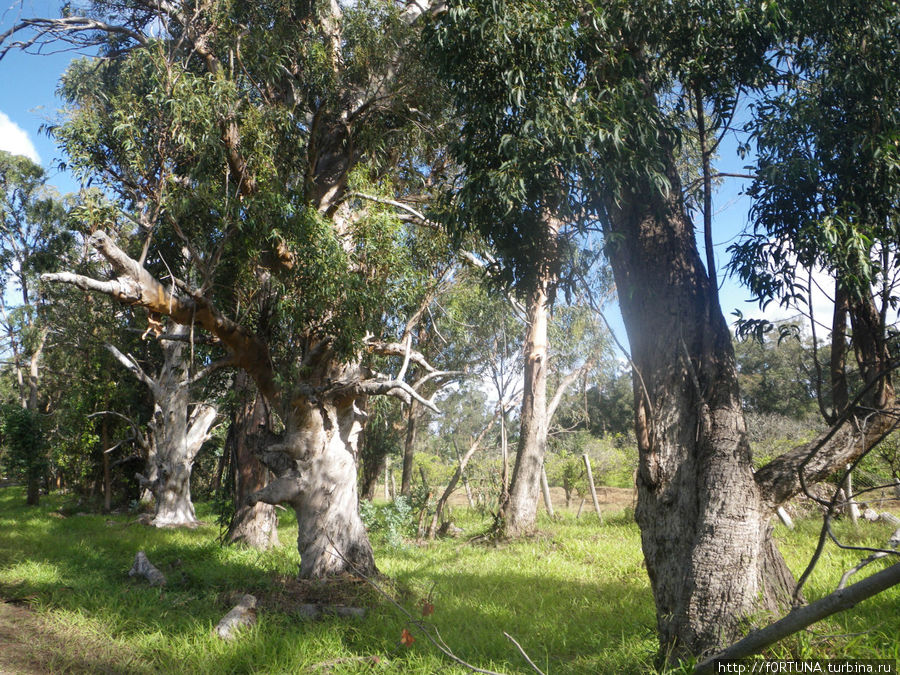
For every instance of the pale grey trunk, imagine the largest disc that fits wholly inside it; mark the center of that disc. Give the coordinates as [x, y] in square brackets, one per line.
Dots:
[519, 513]
[177, 434]
[178, 439]
[316, 468]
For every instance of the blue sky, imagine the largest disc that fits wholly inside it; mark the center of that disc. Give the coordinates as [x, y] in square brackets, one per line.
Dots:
[27, 100]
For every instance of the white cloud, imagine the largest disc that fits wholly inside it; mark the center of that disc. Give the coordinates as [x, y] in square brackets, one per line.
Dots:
[14, 139]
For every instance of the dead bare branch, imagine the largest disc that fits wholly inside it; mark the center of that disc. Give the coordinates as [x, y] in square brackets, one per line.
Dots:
[397, 349]
[63, 29]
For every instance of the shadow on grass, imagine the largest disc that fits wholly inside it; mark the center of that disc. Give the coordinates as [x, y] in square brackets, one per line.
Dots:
[568, 619]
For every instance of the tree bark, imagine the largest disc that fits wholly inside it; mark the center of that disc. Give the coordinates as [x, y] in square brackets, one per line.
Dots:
[178, 432]
[840, 391]
[704, 515]
[409, 449]
[107, 478]
[372, 470]
[253, 525]
[315, 466]
[520, 510]
[704, 522]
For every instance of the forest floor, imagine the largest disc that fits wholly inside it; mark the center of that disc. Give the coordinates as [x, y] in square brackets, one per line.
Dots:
[575, 595]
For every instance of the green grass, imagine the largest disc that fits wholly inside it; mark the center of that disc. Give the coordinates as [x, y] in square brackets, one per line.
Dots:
[576, 597]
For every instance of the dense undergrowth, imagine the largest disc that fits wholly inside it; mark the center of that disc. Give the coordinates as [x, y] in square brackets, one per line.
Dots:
[576, 597]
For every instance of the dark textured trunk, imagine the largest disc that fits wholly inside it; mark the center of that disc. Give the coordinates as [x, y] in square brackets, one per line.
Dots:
[870, 347]
[33, 491]
[704, 522]
[409, 449]
[840, 392]
[373, 468]
[253, 525]
[107, 478]
[316, 468]
[519, 512]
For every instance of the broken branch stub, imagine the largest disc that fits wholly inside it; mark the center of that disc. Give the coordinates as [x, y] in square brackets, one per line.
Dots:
[144, 568]
[241, 615]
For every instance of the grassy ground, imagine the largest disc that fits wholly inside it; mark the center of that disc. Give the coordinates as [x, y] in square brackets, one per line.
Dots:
[576, 597]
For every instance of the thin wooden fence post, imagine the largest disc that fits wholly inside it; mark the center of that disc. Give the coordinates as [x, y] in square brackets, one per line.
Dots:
[590, 480]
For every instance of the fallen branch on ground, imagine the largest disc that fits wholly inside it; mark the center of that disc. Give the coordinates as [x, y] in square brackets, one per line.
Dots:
[893, 543]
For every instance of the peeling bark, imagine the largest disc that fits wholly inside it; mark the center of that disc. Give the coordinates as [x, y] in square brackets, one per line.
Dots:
[253, 525]
[316, 468]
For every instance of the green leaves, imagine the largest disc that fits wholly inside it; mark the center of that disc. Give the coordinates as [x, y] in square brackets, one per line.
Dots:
[827, 188]
[23, 435]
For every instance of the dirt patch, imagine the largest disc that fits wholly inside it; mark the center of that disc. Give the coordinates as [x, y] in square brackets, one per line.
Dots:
[290, 594]
[30, 644]
[610, 498]
[18, 627]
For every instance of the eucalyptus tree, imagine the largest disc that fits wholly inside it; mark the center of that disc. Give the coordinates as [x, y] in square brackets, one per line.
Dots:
[240, 139]
[827, 192]
[592, 86]
[515, 192]
[31, 235]
[177, 429]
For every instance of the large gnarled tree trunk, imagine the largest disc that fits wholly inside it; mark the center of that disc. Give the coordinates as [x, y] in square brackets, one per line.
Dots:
[704, 524]
[704, 515]
[323, 413]
[315, 464]
[315, 461]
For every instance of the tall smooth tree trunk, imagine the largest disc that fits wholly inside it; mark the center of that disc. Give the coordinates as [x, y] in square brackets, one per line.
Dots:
[253, 525]
[705, 524]
[520, 510]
